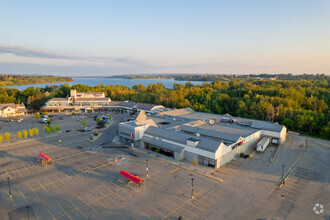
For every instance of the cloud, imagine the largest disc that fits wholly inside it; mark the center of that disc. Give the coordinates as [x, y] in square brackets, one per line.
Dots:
[37, 56]
[30, 52]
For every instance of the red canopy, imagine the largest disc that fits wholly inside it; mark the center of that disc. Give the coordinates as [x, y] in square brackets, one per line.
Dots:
[130, 177]
[44, 157]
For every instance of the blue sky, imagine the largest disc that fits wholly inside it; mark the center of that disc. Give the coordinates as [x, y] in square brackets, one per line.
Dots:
[164, 36]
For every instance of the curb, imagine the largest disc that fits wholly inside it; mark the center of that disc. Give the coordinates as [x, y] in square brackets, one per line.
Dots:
[95, 138]
[277, 150]
[210, 177]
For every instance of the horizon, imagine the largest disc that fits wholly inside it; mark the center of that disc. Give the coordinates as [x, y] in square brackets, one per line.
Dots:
[106, 38]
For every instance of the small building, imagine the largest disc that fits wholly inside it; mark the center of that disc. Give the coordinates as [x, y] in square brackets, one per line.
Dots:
[208, 139]
[12, 109]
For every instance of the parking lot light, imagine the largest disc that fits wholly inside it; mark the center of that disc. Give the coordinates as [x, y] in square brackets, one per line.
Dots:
[9, 187]
[147, 169]
[192, 188]
[283, 182]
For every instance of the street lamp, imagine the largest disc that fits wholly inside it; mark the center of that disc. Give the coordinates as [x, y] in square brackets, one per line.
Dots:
[9, 187]
[192, 188]
[27, 209]
[147, 169]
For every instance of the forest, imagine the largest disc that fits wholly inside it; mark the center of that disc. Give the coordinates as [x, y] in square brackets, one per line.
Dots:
[300, 105]
[10, 79]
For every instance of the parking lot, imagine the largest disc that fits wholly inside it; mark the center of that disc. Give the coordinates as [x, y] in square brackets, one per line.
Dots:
[85, 181]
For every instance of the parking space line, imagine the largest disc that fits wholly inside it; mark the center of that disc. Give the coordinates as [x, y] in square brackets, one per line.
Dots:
[128, 185]
[177, 197]
[88, 205]
[170, 210]
[61, 181]
[207, 192]
[42, 186]
[113, 192]
[51, 214]
[51, 183]
[174, 170]
[33, 191]
[64, 211]
[105, 196]
[21, 194]
[12, 201]
[77, 209]
[158, 212]
[119, 187]
[181, 207]
[146, 215]
[8, 174]
[26, 169]
[96, 200]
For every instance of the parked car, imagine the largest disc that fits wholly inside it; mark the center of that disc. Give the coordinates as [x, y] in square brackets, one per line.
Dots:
[87, 129]
[67, 130]
[20, 120]
[10, 120]
[61, 118]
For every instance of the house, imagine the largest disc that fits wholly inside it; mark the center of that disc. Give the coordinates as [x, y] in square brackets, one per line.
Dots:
[12, 109]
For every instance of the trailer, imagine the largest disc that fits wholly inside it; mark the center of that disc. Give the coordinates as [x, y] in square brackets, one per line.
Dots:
[263, 144]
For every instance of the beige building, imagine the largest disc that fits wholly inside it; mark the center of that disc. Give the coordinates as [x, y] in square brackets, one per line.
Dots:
[12, 109]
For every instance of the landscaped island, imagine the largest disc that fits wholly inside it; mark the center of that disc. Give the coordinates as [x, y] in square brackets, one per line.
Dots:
[11, 80]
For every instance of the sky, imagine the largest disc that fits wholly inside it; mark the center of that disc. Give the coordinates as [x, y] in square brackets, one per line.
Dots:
[86, 38]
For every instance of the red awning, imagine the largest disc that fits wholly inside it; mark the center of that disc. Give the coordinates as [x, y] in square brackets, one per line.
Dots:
[130, 177]
[44, 157]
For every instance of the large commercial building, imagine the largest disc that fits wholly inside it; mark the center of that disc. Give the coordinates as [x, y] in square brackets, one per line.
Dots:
[208, 139]
[90, 101]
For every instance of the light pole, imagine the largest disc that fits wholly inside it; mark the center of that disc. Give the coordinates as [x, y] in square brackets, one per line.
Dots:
[147, 169]
[192, 188]
[27, 209]
[283, 174]
[9, 187]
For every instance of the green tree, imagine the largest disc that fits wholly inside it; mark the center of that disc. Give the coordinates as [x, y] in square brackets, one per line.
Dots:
[7, 136]
[1, 138]
[83, 122]
[57, 128]
[52, 128]
[19, 134]
[47, 129]
[48, 121]
[36, 131]
[25, 134]
[73, 113]
[110, 117]
[31, 132]
[36, 115]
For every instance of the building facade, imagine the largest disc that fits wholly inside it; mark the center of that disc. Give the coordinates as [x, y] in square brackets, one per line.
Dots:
[207, 139]
[12, 109]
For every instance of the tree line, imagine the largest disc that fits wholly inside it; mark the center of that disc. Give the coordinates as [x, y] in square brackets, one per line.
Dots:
[10, 79]
[300, 105]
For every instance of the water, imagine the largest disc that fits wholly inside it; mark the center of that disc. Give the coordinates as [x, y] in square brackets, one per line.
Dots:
[168, 83]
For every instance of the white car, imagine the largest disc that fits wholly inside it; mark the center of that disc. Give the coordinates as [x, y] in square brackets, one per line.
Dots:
[20, 120]
[87, 129]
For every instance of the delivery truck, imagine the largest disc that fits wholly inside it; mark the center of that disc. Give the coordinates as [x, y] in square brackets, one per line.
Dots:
[262, 144]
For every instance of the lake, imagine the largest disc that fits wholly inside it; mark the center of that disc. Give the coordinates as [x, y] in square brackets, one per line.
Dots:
[168, 83]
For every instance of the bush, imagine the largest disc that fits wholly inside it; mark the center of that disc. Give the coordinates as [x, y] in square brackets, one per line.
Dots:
[31, 132]
[7, 136]
[95, 134]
